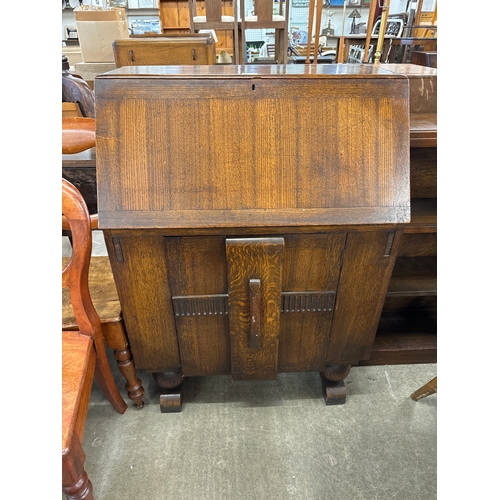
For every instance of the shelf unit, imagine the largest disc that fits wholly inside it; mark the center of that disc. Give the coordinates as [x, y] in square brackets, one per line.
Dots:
[174, 16]
[174, 19]
[407, 331]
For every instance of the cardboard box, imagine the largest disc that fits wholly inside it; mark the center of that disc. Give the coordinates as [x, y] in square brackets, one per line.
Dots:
[97, 29]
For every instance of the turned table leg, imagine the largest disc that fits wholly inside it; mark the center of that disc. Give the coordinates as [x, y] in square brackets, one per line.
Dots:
[171, 395]
[334, 389]
[114, 335]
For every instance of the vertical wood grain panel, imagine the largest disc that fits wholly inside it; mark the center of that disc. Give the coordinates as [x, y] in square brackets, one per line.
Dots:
[311, 263]
[364, 280]
[254, 144]
[198, 267]
[254, 258]
[134, 173]
[142, 285]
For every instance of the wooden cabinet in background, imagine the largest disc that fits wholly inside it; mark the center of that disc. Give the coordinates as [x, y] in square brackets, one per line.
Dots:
[407, 332]
[165, 50]
[174, 16]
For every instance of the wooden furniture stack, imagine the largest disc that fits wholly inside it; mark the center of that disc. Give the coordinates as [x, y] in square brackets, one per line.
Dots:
[250, 230]
[175, 19]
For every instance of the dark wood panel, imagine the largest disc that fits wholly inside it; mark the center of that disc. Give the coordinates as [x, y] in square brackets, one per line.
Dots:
[418, 245]
[255, 283]
[423, 172]
[140, 271]
[311, 263]
[235, 156]
[423, 216]
[197, 267]
[402, 349]
[410, 303]
[204, 345]
[366, 269]
[414, 276]
[405, 337]
[424, 130]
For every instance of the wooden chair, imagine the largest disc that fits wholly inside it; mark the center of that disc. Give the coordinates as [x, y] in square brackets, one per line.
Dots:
[425, 390]
[263, 18]
[83, 350]
[79, 135]
[211, 15]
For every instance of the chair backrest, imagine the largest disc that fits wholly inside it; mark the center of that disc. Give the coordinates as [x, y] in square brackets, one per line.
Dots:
[213, 10]
[264, 9]
[78, 134]
[75, 274]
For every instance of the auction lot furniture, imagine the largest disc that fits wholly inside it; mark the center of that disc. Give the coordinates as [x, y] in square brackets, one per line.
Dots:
[252, 217]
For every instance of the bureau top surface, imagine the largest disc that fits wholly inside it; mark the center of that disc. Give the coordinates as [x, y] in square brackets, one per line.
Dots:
[256, 70]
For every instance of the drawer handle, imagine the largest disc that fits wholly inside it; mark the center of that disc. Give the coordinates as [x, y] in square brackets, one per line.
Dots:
[255, 314]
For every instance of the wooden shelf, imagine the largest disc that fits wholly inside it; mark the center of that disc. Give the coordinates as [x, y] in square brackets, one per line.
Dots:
[405, 337]
[423, 130]
[423, 216]
[413, 277]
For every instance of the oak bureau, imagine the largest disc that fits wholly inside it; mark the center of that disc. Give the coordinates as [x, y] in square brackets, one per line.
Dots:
[252, 215]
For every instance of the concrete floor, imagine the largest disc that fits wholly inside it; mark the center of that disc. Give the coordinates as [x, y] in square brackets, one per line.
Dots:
[272, 440]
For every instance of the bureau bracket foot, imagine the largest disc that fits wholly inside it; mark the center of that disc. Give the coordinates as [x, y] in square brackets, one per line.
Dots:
[171, 400]
[171, 394]
[334, 390]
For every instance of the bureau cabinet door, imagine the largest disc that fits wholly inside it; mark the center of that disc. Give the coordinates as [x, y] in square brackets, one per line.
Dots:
[197, 277]
[253, 307]
[311, 271]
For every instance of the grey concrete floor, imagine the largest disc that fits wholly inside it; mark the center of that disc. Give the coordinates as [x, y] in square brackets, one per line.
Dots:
[271, 440]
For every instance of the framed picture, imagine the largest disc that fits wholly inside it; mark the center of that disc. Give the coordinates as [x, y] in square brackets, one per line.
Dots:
[337, 3]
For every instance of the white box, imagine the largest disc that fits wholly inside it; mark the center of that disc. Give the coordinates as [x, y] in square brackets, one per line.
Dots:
[97, 30]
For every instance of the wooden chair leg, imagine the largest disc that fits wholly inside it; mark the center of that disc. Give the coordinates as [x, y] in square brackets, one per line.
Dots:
[425, 390]
[105, 378]
[115, 338]
[75, 483]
